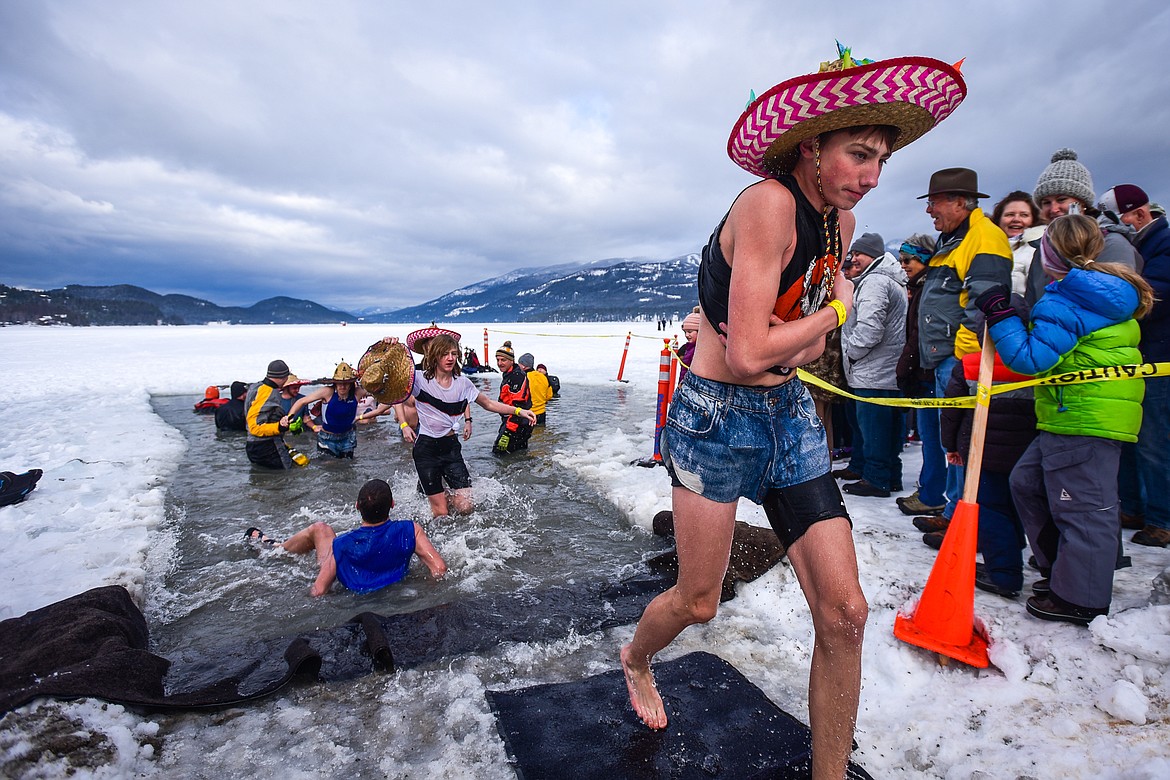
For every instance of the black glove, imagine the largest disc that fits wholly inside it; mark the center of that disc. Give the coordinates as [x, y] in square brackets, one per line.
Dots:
[995, 304]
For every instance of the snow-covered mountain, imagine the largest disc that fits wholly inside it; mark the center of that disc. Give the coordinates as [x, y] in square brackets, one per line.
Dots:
[614, 289]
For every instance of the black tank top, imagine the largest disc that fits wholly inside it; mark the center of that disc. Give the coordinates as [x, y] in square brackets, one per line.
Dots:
[802, 288]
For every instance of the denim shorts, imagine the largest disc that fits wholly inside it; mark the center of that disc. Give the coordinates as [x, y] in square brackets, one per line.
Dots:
[726, 441]
[340, 445]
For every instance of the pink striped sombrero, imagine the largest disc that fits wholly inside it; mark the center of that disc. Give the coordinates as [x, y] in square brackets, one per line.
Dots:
[911, 93]
[416, 341]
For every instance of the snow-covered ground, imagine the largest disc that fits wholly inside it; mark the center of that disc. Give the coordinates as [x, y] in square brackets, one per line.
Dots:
[1060, 701]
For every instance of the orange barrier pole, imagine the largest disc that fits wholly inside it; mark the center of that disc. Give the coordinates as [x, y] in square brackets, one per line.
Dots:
[622, 367]
[486, 359]
[673, 370]
[664, 377]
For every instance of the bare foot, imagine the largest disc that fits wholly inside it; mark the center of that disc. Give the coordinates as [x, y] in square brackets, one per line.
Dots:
[643, 693]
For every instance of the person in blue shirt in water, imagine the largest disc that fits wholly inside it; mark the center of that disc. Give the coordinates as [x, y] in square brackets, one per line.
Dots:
[370, 557]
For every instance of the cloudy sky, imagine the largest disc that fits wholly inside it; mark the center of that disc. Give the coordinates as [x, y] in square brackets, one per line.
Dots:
[379, 154]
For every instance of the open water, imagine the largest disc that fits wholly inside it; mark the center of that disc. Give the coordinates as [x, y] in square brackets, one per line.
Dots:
[536, 524]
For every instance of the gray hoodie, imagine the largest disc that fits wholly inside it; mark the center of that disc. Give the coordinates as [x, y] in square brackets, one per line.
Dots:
[873, 336]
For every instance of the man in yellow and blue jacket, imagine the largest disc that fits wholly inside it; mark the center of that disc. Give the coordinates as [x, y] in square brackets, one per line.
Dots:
[972, 255]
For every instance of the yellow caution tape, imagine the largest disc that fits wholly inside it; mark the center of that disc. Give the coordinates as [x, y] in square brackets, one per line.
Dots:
[983, 395]
[1099, 374]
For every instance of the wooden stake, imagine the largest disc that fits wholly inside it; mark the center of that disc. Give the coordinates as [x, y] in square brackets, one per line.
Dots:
[979, 426]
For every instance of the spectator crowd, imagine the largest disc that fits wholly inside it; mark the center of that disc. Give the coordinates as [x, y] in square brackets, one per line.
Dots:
[1062, 279]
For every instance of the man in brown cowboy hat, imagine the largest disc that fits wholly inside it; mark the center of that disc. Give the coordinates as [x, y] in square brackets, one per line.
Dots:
[972, 255]
[770, 290]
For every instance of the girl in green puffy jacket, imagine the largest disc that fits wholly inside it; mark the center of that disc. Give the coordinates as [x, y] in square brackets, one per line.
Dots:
[1065, 485]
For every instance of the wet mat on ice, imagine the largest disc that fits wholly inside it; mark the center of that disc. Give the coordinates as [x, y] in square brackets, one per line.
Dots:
[721, 726]
[97, 644]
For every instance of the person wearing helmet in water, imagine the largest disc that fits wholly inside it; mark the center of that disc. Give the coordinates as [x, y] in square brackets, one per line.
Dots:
[337, 434]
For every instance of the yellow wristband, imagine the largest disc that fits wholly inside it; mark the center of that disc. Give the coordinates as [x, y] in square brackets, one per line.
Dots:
[401, 425]
[516, 411]
[840, 309]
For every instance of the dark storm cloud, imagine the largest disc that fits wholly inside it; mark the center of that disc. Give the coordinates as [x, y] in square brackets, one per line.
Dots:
[377, 154]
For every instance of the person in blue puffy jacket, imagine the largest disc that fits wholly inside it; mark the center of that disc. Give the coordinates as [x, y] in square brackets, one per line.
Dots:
[1065, 484]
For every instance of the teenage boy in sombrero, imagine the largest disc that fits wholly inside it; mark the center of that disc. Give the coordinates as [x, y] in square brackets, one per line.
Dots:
[741, 424]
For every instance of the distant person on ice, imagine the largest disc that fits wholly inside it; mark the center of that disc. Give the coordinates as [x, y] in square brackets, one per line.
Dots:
[686, 353]
[368, 558]
[741, 423]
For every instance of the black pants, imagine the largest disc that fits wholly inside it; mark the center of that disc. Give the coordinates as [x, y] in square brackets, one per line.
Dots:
[513, 435]
[269, 453]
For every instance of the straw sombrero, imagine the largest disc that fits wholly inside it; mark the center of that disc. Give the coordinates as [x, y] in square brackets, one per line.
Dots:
[387, 372]
[912, 94]
[417, 340]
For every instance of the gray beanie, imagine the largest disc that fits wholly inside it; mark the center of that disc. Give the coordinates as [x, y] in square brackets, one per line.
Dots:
[278, 369]
[526, 360]
[1065, 176]
[869, 244]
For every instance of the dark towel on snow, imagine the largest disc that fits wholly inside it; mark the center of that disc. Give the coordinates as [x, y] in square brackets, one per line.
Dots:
[94, 644]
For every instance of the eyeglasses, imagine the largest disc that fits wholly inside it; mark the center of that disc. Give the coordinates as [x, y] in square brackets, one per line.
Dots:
[935, 201]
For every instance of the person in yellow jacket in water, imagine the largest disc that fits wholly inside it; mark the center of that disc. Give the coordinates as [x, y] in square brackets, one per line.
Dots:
[538, 386]
[264, 414]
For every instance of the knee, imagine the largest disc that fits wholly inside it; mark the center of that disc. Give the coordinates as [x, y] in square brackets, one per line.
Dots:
[841, 622]
[323, 530]
[697, 608]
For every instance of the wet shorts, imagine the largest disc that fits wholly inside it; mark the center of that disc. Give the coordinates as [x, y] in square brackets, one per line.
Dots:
[440, 459]
[340, 445]
[726, 441]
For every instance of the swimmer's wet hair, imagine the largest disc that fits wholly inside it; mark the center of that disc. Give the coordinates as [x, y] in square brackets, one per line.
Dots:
[375, 500]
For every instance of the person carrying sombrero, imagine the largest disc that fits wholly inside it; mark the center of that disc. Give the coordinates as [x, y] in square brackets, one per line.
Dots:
[741, 423]
[406, 413]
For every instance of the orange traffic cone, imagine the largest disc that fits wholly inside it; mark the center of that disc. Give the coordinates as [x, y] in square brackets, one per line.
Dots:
[944, 620]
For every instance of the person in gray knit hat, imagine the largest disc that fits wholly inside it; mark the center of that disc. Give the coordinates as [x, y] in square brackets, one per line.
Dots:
[871, 343]
[1064, 180]
[870, 245]
[1065, 186]
[264, 420]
